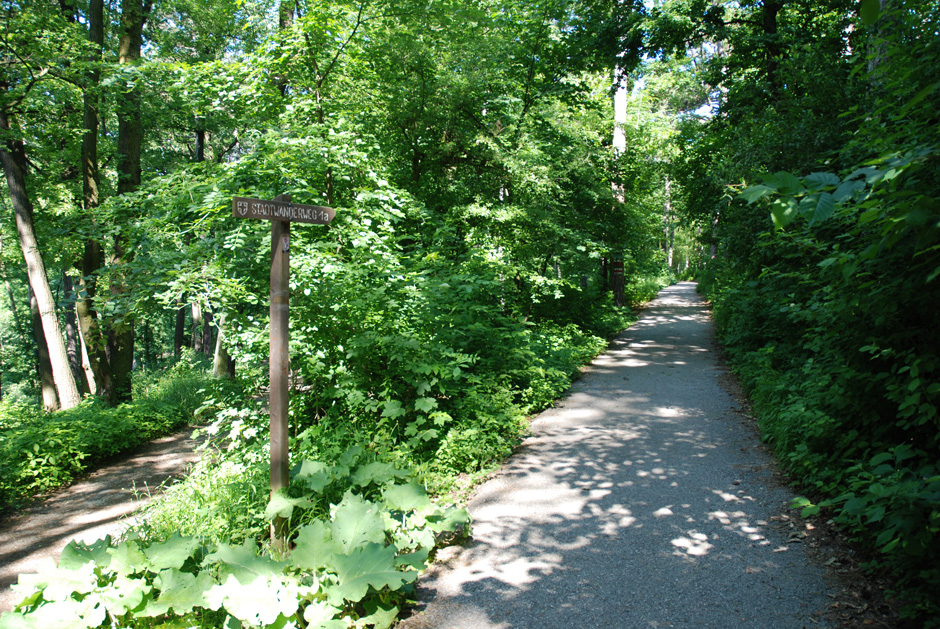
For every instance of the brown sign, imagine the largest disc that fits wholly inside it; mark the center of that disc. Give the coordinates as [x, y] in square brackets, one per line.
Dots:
[281, 211]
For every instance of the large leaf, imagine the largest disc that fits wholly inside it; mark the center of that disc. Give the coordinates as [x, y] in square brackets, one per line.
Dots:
[313, 546]
[356, 522]
[369, 565]
[283, 505]
[754, 193]
[408, 497]
[824, 208]
[124, 594]
[818, 181]
[259, 602]
[316, 475]
[78, 553]
[172, 553]
[180, 591]
[244, 562]
[376, 472]
[321, 614]
[783, 212]
[127, 558]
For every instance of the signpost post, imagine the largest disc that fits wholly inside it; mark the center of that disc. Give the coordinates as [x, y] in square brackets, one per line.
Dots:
[281, 212]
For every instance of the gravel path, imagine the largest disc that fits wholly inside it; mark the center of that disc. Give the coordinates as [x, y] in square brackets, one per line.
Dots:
[97, 506]
[643, 499]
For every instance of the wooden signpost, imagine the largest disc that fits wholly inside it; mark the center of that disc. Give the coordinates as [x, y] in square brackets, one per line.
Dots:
[281, 212]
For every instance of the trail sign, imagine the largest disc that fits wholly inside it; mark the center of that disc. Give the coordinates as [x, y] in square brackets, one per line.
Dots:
[278, 210]
[281, 212]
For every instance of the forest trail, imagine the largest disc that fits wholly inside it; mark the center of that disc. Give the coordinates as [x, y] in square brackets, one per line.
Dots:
[643, 499]
[96, 506]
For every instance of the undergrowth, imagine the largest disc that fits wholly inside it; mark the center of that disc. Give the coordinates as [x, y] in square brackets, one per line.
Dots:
[42, 451]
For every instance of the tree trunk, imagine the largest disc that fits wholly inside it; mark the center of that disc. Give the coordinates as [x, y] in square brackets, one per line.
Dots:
[13, 157]
[773, 49]
[72, 341]
[92, 337]
[208, 346]
[197, 327]
[223, 366]
[670, 227]
[179, 334]
[50, 401]
[130, 141]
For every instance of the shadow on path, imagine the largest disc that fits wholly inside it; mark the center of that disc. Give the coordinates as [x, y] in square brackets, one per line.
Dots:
[642, 500]
[96, 506]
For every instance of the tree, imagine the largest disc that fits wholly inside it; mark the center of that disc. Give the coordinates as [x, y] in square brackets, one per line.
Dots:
[13, 158]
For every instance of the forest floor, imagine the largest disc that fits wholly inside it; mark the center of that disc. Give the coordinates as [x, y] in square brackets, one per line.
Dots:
[642, 499]
[103, 503]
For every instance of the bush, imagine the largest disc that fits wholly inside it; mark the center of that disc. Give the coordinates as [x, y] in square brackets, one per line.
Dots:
[42, 451]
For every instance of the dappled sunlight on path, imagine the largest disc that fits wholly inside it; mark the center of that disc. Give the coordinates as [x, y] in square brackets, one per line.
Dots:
[92, 508]
[641, 500]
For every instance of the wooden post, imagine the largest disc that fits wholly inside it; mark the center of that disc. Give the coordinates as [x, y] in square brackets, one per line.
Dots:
[280, 364]
[280, 212]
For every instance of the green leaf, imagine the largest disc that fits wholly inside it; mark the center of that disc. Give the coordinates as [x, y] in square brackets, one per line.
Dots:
[244, 562]
[180, 591]
[408, 497]
[369, 565]
[789, 183]
[283, 505]
[356, 522]
[847, 189]
[126, 558]
[316, 475]
[824, 208]
[76, 553]
[124, 594]
[321, 614]
[380, 616]
[258, 602]
[869, 10]
[68, 614]
[425, 404]
[818, 181]
[375, 472]
[753, 193]
[783, 213]
[65, 582]
[172, 553]
[393, 409]
[313, 546]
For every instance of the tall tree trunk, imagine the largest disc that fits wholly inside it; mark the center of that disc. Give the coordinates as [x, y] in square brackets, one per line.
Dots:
[207, 330]
[773, 49]
[130, 141]
[90, 326]
[50, 401]
[72, 340]
[13, 157]
[92, 257]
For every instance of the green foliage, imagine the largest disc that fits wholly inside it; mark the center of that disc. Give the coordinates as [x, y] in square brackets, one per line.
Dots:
[41, 451]
[351, 562]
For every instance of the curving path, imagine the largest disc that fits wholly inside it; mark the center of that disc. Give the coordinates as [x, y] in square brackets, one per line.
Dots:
[643, 499]
[96, 506]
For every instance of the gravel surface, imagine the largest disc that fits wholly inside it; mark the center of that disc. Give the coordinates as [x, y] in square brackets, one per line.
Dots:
[643, 499]
[98, 505]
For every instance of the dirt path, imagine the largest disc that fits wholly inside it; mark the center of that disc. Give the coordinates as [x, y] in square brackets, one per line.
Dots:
[88, 510]
[643, 499]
